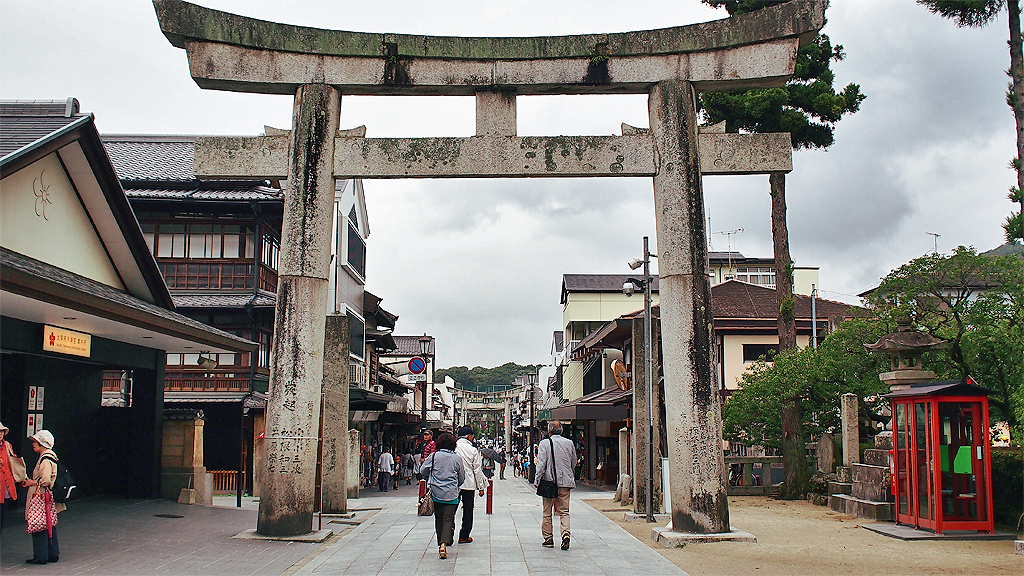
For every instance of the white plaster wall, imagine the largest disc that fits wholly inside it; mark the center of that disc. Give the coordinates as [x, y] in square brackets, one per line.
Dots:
[733, 355]
[65, 237]
[803, 278]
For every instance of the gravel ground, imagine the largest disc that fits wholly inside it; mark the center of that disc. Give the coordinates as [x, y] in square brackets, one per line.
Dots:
[799, 538]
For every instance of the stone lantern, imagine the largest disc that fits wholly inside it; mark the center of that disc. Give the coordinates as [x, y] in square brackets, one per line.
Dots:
[905, 347]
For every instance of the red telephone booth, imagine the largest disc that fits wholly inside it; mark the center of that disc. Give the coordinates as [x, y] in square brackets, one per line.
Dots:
[942, 461]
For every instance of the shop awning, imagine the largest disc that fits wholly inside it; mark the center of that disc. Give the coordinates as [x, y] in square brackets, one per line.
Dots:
[604, 404]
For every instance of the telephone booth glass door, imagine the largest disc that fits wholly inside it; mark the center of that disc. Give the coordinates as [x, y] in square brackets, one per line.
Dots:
[963, 470]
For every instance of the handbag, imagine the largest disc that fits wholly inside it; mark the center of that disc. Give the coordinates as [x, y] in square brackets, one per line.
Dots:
[17, 467]
[41, 513]
[425, 506]
[549, 488]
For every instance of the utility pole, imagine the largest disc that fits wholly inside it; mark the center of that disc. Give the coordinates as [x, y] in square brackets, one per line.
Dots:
[814, 318]
[532, 380]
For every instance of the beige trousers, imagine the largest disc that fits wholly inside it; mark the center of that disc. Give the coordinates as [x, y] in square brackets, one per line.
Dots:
[562, 503]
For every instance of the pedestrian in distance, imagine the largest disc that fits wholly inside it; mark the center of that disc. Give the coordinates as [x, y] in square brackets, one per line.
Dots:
[490, 458]
[45, 547]
[556, 457]
[408, 463]
[475, 481]
[502, 460]
[8, 491]
[444, 474]
[429, 446]
[385, 468]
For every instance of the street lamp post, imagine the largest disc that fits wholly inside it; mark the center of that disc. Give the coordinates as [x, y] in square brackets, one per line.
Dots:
[628, 289]
[424, 349]
[531, 379]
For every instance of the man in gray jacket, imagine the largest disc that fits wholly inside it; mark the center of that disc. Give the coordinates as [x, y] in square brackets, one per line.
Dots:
[475, 480]
[556, 458]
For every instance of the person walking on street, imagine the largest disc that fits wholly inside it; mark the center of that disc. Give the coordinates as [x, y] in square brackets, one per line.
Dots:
[45, 547]
[489, 458]
[444, 474]
[556, 457]
[385, 467]
[502, 459]
[475, 481]
[429, 446]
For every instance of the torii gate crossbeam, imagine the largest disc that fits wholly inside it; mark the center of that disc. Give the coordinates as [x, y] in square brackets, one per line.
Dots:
[231, 52]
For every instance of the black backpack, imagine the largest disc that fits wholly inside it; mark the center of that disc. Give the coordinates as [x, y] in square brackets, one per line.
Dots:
[64, 484]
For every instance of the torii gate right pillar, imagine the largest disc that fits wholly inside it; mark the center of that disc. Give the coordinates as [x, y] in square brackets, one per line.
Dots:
[693, 414]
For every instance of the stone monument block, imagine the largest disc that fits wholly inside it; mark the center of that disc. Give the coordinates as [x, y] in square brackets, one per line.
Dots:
[826, 453]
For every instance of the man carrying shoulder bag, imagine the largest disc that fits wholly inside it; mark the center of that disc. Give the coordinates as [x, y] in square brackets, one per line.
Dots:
[556, 457]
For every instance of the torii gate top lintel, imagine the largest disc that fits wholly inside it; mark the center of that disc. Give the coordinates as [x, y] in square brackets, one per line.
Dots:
[269, 57]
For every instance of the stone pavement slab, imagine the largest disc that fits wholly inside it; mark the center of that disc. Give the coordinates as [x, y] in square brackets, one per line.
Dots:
[395, 541]
[112, 536]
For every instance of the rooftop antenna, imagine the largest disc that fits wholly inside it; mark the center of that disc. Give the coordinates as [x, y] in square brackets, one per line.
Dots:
[935, 238]
[729, 234]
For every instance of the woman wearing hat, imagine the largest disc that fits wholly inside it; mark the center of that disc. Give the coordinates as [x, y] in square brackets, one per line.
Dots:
[44, 544]
[8, 490]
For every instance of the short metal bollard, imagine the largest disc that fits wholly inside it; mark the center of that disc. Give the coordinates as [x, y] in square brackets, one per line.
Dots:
[490, 494]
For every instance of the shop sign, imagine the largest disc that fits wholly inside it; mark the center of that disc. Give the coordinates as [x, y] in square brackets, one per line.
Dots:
[66, 341]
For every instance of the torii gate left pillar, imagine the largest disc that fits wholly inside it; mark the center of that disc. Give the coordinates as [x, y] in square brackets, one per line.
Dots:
[755, 50]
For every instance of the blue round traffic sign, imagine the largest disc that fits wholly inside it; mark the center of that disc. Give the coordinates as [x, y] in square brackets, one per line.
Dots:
[417, 366]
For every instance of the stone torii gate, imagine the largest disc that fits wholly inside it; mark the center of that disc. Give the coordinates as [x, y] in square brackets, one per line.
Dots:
[235, 53]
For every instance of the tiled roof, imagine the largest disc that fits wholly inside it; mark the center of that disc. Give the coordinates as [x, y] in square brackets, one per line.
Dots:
[410, 346]
[24, 122]
[735, 299]
[167, 158]
[557, 339]
[223, 300]
[240, 192]
[598, 282]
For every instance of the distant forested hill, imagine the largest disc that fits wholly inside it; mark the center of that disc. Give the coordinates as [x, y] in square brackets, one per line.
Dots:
[482, 379]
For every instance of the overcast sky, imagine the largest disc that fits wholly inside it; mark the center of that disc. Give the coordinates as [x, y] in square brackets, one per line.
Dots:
[478, 263]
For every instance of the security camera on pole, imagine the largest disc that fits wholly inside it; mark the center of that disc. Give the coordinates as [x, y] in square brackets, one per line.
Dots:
[632, 285]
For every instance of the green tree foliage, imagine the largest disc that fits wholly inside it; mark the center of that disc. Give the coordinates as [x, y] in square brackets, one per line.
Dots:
[480, 379]
[975, 302]
[816, 378]
[975, 14]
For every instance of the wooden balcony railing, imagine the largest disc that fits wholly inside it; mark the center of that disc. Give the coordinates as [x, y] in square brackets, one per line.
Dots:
[186, 382]
[183, 274]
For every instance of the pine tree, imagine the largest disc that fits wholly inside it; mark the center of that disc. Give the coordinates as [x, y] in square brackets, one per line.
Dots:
[807, 107]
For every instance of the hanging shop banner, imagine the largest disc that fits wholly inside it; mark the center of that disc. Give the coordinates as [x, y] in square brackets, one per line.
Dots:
[66, 341]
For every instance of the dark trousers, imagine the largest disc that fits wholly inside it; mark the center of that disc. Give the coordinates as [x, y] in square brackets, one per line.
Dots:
[44, 547]
[444, 522]
[467, 497]
[383, 480]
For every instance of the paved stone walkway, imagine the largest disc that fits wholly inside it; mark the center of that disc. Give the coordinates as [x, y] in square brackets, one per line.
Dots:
[108, 536]
[397, 542]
